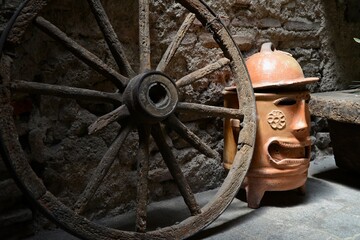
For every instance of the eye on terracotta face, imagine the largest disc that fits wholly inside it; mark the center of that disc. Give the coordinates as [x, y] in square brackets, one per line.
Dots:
[307, 98]
[286, 101]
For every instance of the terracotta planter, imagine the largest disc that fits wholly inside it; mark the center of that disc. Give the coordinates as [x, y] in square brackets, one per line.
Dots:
[282, 149]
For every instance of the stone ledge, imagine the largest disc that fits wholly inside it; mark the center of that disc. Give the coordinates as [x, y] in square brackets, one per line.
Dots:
[342, 106]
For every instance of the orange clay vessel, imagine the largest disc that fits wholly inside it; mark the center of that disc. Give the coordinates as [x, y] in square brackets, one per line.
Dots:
[282, 149]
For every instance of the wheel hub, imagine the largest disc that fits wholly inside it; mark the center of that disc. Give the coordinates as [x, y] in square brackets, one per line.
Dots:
[151, 97]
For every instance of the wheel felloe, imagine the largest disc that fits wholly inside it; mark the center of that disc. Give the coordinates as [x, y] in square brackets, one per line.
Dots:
[142, 103]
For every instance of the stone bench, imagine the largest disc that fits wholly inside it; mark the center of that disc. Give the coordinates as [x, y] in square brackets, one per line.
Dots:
[342, 109]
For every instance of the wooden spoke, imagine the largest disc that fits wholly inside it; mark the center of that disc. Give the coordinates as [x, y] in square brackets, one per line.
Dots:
[198, 74]
[144, 35]
[65, 92]
[103, 121]
[80, 52]
[171, 50]
[101, 170]
[143, 171]
[111, 38]
[209, 111]
[175, 171]
[190, 137]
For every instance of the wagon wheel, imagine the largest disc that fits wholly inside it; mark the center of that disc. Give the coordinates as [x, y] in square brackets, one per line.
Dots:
[146, 101]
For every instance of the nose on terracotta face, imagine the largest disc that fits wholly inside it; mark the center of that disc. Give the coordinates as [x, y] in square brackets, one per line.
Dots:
[300, 124]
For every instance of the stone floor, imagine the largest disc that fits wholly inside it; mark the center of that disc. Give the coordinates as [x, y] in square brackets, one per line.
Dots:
[330, 210]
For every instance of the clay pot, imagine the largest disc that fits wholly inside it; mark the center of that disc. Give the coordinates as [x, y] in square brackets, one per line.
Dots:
[282, 148]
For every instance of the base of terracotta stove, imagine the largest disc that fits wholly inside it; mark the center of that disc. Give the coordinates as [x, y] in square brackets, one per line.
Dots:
[255, 187]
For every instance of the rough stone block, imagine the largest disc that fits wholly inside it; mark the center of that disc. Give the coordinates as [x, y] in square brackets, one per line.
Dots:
[323, 140]
[197, 23]
[310, 68]
[269, 23]
[240, 3]
[243, 22]
[189, 39]
[244, 43]
[225, 20]
[290, 5]
[208, 41]
[305, 42]
[160, 175]
[319, 124]
[301, 26]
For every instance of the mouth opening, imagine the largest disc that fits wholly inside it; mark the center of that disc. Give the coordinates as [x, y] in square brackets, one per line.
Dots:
[289, 153]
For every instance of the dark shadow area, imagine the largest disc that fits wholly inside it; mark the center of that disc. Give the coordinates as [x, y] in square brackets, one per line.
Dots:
[278, 198]
[340, 176]
[159, 214]
[169, 212]
[315, 191]
[273, 199]
[157, 218]
[227, 226]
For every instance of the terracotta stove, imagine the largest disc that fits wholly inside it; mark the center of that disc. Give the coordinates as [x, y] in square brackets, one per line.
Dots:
[282, 149]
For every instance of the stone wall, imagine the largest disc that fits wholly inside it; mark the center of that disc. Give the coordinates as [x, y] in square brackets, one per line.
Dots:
[319, 34]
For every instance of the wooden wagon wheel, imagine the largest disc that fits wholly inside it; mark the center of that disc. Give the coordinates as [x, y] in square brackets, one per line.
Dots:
[145, 101]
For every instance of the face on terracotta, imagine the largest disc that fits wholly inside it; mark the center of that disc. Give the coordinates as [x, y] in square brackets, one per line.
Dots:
[283, 128]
